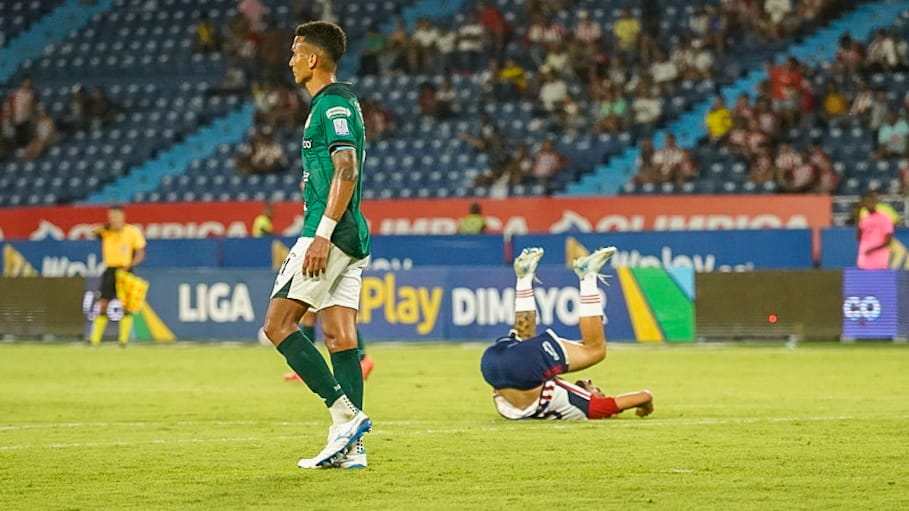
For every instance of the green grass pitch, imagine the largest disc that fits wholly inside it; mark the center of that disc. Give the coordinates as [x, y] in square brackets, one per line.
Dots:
[215, 427]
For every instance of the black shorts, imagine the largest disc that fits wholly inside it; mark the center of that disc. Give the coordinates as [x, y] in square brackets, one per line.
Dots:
[109, 284]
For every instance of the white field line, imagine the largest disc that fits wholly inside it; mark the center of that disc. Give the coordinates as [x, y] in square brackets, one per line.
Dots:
[496, 426]
[706, 421]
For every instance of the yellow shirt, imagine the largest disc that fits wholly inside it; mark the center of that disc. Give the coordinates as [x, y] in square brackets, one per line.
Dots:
[472, 224]
[718, 122]
[261, 226]
[835, 104]
[514, 75]
[886, 209]
[118, 247]
[626, 31]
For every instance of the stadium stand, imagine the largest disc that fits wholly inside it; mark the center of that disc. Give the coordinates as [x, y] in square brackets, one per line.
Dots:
[446, 125]
[397, 167]
[848, 138]
[18, 16]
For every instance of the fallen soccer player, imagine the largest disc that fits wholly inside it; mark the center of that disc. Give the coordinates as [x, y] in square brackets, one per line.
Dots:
[523, 367]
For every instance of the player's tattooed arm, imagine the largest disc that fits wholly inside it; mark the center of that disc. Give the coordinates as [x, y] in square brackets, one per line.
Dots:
[345, 181]
[340, 192]
[525, 323]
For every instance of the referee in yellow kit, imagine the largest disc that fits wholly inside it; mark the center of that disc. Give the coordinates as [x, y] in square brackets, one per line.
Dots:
[122, 248]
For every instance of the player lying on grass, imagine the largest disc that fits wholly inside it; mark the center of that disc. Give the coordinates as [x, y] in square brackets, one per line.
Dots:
[523, 367]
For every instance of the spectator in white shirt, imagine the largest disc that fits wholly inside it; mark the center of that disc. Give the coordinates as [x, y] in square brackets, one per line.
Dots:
[424, 46]
[777, 11]
[446, 44]
[558, 63]
[647, 109]
[471, 43]
[553, 91]
[663, 71]
[881, 53]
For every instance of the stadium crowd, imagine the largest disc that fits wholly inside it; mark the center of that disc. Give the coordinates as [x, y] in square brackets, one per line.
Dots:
[27, 129]
[794, 100]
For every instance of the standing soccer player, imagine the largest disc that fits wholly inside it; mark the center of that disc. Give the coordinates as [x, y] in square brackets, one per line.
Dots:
[122, 248]
[324, 268]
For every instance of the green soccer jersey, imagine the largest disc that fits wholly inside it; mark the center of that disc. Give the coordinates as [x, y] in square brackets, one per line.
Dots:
[335, 122]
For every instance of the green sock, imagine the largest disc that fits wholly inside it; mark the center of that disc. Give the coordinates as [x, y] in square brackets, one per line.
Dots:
[306, 361]
[361, 344]
[309, 332]
[348, 373]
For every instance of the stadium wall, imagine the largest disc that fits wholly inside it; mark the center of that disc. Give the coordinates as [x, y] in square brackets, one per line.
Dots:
[440, 216]
[645, 304]
[432, 303]
[702, 251]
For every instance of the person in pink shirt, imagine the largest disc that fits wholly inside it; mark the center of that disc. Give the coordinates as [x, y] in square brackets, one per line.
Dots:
[874, 232]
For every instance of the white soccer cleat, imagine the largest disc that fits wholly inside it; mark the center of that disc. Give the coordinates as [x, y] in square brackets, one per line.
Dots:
[592, 263]
[341, 437]
[526, 263]
[355, 458]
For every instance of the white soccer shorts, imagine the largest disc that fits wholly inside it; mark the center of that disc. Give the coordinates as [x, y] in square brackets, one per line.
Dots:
[339, 285]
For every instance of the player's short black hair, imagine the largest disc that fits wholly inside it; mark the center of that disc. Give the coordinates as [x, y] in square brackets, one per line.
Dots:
[115, 207]
[325, 35]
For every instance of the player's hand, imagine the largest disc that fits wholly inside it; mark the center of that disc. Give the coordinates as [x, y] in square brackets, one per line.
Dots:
[316, 258]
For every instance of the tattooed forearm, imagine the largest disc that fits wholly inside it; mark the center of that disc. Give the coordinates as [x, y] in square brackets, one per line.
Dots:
[526, 324]
[345, 163]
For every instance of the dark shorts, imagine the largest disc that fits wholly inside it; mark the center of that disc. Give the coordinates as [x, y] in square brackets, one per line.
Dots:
[109, 284]
[523, 365]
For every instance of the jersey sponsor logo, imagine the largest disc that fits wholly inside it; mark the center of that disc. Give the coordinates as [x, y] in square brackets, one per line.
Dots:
[341, 127]
[336, 111]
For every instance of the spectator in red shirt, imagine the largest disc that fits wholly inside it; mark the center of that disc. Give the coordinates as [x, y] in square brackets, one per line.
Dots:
[785, 82]
[802, 178]
[547, 162]
[587, 30]
[22, 105]
[787, 158]
[762, 169]
[646, 170]
[768, 121]
[742, 112]
[377, 119]
[850, 55]
[670, 161]
[496, 26]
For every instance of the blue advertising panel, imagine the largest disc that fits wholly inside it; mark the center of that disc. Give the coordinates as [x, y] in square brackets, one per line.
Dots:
[401, 305]
[389, 252]
[251, 252]
[646, 305]
[873, 303]
[704, 251]
[210, 303]
[839, 248]
[52, 258]
[440, 250]
[439, 303]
